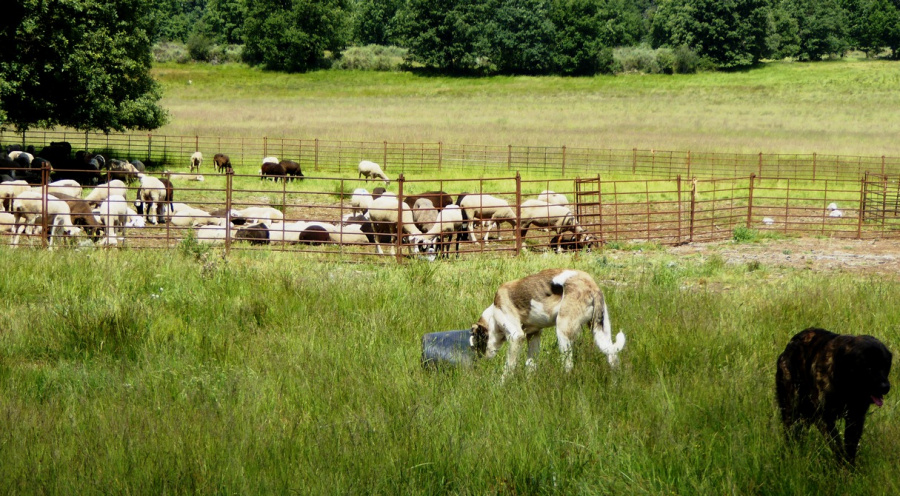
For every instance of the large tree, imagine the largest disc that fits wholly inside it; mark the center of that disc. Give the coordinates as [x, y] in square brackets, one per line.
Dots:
[731, 33]
[293, 35]
[83, 64]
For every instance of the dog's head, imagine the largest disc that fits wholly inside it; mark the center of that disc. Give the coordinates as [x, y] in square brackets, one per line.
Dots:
[478, 337]
[865, 365]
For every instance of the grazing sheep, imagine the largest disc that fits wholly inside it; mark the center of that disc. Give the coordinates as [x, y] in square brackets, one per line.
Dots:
[123, 171]
[572, 242]
[271, 160]
[256, 234]
[272, 170]
[360, 201]
[486, 208]
[113, 213]
[438, 198]
[424, 214]
[196, 160]
[28, 208]
[9, 190]
[221, 162]
[291, 169]
[542, 214]
[448, 222]
[104, 191]
[69, 187]
[384, 215]
[553, 198]
[151, 199]
[82, 215]
[369, 169]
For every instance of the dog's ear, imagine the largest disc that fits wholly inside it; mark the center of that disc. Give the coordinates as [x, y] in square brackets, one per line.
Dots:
[478, 338]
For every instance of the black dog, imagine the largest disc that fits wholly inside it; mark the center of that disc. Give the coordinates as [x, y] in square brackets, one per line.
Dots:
[822, 377]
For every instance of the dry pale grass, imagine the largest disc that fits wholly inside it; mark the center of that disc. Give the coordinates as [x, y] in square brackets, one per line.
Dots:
[842, 107]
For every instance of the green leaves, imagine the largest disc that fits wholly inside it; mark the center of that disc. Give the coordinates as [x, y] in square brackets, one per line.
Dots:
[83, 64]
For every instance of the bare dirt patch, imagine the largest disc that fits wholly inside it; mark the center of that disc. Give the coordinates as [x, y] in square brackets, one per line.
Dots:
[821, 255]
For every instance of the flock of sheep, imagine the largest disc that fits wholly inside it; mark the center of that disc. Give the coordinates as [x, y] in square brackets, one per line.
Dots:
[427, 222]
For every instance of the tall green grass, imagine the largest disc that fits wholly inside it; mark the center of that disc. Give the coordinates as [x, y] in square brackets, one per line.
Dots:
[180, 371]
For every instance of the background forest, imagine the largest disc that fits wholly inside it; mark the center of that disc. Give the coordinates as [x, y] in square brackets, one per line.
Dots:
[566, 37]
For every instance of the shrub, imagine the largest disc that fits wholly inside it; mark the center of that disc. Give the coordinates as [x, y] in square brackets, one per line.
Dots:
[200, 47]
[742, 234]
[685, 60]
[372, 58]
[637, 59]
[665, 60]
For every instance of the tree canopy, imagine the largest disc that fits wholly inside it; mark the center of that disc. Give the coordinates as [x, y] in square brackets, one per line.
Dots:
[84, 64]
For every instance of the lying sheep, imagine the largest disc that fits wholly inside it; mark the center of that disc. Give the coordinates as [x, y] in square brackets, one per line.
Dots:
[104, 191]
[360, 201]
[256, 215]
[369, 169]
[7, 222]
[384, 215]
[196, 160]
[213, 234]
[351, 234]
[487, 209]
[28, 208]
[255, 234]
[191, 216]
[68, 187]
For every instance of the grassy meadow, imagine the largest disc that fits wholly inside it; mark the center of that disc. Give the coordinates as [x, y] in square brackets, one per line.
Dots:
[182, 372]
[845, 106]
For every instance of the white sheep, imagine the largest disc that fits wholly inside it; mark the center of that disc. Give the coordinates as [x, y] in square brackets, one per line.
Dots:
[213, 234]
[69, 187]
[196, 160]
[489, 209]
[7, 222]
[104, 191]
[384, 215]
[271, 160]
[15, 154]
[448, 222]
[836, 213]
[191, 216]
[350, 234]
[28, 207]
[768, 221]
[9, 190]
[553, 198]
[360, 201]
[369, 169]
[832, 206]
[544, 215]
[149, 196]
[424, 214]
[256, 215]
[113, 213]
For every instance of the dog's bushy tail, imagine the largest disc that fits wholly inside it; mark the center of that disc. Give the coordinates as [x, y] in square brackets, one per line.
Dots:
[601, 328]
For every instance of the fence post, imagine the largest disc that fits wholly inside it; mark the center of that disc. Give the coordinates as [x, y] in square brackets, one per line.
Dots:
[759, 166]
[440, 155]
[196, 143]
[508, 157]
[633, 161]
[693, 208]
[398, 242]
[384, 156]
[814, 166]
[564, 160]
[750, 201]
[599, 210]
[688, 169]
[678, 189]
[149, 147]
[229, 178]
[862, 203]
[316, 157]
[45, 184]
[518, 214]
[882, 164]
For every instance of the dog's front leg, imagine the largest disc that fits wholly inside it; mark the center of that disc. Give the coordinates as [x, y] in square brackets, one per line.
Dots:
[853, 432]
[829, 429]
[516, 340]
[534, 347]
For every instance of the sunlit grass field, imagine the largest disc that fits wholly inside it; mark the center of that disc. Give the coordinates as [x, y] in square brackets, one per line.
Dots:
[184, 371]
[839, 107]
[175, 372]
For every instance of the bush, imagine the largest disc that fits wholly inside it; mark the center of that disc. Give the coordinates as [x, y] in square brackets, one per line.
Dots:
[685, 60]
[665, 60]
[372, 58]
[199, 47]
[606, 62]
[170, 52]
[637, 59]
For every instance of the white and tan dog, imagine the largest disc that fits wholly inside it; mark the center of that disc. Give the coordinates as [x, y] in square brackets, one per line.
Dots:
[522, 308]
